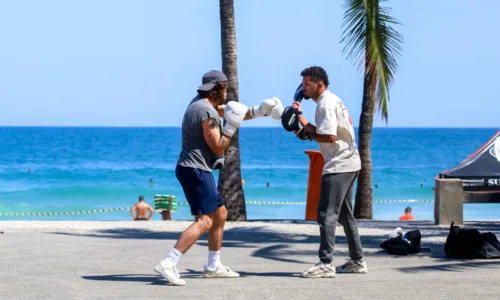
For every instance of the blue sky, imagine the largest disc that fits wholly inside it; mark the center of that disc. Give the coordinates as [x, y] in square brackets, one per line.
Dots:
[138, 63]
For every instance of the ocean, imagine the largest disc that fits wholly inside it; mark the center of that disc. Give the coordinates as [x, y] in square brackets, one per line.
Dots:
[80, 169]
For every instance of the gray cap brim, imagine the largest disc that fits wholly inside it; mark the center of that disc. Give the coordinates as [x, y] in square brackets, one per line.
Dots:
[206, 87]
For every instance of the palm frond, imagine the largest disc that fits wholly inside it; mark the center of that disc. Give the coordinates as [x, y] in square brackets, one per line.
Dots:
[354, 34]
[373, 44]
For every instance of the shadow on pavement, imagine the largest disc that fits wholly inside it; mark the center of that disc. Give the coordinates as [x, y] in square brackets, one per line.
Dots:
[153, 280]
[454, 266]
[281, 248]
[189, 273]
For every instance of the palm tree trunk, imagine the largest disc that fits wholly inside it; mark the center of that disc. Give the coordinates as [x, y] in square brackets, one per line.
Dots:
[363, 209]
[230, 185]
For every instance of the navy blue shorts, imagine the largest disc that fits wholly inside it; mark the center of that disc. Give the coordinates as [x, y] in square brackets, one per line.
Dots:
[200, 190]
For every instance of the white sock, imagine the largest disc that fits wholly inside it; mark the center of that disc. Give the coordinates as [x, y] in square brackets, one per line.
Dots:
[174, 256]
[213, 259]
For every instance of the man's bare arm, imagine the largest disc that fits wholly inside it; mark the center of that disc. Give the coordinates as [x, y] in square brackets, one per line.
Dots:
[216, 141]
[322, 138]
[312, 135]
[311, 131]
[220, 111]
[151, 212]
[306, 124]
[170, 203]
[132, 212]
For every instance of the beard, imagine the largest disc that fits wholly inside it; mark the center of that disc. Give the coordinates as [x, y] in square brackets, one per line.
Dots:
[220, 101]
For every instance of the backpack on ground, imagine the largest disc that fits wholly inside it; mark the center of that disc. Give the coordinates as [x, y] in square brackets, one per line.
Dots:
[408, 243]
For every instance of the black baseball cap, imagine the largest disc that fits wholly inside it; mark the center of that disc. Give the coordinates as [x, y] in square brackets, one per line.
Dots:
[210, 79]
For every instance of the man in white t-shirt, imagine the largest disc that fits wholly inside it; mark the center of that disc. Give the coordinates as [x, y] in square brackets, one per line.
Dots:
[334, 133]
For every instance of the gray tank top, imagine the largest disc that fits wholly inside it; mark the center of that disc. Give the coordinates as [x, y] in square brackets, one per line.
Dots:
[195, 152]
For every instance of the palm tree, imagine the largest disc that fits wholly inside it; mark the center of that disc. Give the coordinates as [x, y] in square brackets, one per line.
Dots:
[373, 44]
[230, 185]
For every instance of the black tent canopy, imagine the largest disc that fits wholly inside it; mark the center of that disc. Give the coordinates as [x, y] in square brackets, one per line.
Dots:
[481, 170]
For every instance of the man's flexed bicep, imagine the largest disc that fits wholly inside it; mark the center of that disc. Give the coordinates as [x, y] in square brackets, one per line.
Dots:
[216, 141]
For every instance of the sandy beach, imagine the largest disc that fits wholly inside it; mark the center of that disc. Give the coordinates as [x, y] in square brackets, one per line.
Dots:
[115, 260]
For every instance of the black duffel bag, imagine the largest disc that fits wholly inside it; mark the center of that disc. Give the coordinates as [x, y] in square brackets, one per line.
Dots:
[469, 243]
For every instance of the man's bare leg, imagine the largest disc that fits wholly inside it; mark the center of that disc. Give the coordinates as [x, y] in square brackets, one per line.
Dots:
[167, 267]
[214, 268]
[187, 239]
[216, 233]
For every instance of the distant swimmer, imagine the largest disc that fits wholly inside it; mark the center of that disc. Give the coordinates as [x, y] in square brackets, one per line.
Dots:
[407, 216]
[151, 182]
[141, 209]
[267, 185]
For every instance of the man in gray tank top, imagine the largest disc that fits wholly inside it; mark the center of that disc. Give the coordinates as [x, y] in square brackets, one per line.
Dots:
[195, 152]
[204, 141]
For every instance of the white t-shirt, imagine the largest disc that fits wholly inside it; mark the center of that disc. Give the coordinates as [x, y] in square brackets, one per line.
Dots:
[332, 118]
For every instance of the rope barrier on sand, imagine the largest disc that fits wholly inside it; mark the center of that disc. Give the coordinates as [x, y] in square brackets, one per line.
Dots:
[62, 213]
[94, 211]
[403, 201]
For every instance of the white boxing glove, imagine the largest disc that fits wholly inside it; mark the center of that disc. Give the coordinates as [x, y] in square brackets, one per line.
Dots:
[234, 113]
[277, 110]
[272, 107]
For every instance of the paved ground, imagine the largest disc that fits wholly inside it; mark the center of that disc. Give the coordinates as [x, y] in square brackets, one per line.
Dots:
[115, 260]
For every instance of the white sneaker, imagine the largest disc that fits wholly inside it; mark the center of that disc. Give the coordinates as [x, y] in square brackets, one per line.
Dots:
[168, 271]
[353, 267]
[220, 271]
[320, 270]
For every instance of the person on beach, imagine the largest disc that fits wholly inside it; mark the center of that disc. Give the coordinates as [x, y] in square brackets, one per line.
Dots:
[204, 140]
[141, 208]
[407, 216]
[334, 133]
[166, 214]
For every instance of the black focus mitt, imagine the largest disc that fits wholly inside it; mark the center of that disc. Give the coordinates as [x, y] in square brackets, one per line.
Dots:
[290, 117]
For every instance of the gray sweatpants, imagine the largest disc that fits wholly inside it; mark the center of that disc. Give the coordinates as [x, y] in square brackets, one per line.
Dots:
[335, 204]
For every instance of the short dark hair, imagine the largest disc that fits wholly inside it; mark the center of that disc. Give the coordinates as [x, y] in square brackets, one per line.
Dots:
[408, 209]
[316, 73]
[215, 93]
[141, 198]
